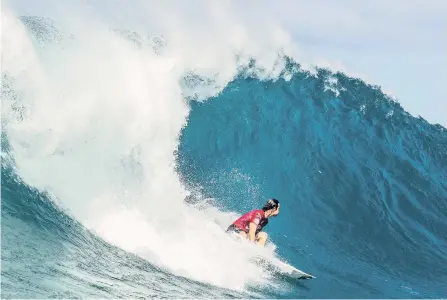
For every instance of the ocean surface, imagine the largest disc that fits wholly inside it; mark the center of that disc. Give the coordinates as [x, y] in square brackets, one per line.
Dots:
[122, 165]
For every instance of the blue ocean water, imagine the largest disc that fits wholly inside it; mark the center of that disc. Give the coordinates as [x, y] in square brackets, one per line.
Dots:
[362, 185]
[46, 254]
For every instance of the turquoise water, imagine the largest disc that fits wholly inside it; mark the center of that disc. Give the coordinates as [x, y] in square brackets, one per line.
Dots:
[362, 185]
[46, 254]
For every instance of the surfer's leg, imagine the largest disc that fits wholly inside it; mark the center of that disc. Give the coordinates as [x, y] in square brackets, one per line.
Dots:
[234, 229]
[261, 238]
[243, 234]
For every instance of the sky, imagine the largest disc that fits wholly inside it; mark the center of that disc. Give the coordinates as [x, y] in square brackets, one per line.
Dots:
[400, 45]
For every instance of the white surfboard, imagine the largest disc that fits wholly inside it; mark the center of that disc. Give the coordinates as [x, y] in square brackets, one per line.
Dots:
[298, 274]
[282, 268]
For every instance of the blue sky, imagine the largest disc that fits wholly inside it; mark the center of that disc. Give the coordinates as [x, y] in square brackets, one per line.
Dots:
[400, 45]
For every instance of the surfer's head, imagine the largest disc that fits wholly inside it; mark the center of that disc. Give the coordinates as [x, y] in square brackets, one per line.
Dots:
[272, 207]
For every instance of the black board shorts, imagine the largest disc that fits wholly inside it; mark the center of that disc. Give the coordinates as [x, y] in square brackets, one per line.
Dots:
[233, 228]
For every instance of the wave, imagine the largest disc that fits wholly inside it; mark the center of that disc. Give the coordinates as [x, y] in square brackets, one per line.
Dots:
[106, 131]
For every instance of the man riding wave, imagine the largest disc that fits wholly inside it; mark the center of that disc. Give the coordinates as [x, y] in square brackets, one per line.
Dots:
[250, 225]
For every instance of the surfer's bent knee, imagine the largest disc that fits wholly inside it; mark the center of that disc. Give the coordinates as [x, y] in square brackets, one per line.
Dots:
[262, 235]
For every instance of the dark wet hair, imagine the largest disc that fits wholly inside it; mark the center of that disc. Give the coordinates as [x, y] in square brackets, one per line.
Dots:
[271, 203]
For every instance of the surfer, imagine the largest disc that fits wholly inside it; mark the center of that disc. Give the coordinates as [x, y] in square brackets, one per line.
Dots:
[250, 224]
